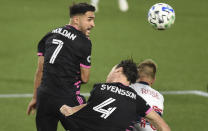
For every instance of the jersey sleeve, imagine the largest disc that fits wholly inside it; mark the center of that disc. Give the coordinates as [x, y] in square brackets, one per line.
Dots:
[86, 55]
[92, 94]
[161, 113]
[143, 108]
[41, 45]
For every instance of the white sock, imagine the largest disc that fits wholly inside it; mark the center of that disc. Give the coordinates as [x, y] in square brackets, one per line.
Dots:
[123, 5]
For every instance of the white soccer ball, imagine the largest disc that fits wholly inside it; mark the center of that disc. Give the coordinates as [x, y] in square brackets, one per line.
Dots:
[161, 16]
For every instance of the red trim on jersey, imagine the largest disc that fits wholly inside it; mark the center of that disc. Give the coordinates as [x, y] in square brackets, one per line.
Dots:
[40, 54]
[85, 66]
[148, 111]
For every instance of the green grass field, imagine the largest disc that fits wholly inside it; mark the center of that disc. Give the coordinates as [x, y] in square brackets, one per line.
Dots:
[180, 52]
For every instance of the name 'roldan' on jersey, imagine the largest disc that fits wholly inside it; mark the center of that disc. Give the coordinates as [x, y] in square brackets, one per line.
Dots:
[65, 49]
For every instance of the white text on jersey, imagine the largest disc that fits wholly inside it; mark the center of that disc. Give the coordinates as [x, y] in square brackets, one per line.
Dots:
[152, 93]
[117, 90]
[65, 33]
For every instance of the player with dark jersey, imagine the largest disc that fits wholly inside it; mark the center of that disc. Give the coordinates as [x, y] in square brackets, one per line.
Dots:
[112, 106]
[64, 49]
[63, 65]
[64, 53]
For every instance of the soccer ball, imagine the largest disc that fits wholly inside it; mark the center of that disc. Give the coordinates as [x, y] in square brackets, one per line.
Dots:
[161, 16]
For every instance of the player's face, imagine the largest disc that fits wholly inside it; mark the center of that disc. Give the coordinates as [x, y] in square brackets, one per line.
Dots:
[110, 76]
[86, 22]
[114, 73]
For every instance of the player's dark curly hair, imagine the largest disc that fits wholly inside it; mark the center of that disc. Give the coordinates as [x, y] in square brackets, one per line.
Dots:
[129, 70]
[80, 8]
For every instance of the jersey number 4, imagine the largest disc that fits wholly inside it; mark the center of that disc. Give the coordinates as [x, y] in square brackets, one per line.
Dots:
[57, 50]
[105, 112]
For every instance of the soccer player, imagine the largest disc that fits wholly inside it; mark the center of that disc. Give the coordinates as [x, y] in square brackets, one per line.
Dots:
[63, 65]
[113, 105]
[147, 72]
[123, 5]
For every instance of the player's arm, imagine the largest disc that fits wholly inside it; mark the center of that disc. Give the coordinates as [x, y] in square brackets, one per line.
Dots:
[37, 81]
[67, 110]
[85, 61]
[157, 121]
[85, 74]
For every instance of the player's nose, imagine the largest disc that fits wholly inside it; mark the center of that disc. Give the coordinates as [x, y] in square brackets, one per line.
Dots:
[93, 24]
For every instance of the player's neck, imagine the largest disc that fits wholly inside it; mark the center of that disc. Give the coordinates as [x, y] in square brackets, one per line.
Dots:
[122, 81]
[148, 81]
[74, 25]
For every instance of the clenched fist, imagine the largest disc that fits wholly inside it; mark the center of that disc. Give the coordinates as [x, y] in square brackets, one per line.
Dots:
[66, 110]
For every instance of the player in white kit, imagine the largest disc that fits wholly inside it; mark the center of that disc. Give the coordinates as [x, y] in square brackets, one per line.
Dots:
[147, 71]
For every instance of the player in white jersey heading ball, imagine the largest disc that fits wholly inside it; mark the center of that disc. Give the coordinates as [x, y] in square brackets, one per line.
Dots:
[147, 72]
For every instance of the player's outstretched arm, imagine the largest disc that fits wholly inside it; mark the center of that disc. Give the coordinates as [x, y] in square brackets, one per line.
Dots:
[157, 121]
[37, 81]
[67, 110]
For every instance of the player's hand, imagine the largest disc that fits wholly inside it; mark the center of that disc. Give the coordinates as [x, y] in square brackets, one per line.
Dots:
[66, 110]
[31, 106]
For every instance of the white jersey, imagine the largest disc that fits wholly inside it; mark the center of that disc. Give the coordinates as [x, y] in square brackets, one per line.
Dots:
[153, 98]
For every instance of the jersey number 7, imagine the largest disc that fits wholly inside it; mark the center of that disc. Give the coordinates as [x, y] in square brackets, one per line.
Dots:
[105, 112]
[57, 50]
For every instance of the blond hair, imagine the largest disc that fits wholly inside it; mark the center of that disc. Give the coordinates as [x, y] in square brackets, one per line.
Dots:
[147, 68]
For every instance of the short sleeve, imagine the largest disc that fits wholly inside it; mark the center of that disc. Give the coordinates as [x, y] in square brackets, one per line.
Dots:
[41, 45]
[86, 55]
[142, 107]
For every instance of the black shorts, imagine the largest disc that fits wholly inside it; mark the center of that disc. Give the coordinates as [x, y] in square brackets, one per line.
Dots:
[48, 113]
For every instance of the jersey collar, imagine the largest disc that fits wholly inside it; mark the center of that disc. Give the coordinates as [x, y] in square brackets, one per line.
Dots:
[74, 28]
[144, 83]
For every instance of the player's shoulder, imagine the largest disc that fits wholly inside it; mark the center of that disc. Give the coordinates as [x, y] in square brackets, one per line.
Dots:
[72, 33]
[146, 89]
[62, 28]
[104, 84]
[153, 89]
[97, 84]
[137, 87]
[77, 32]
[114, 84]
[160, 96]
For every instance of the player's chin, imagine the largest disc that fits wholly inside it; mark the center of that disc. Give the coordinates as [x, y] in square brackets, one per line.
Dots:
[87, 33]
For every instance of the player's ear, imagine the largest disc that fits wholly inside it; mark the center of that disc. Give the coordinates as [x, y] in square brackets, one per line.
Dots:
[75, 20]
[120, 69]
[153, 80]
